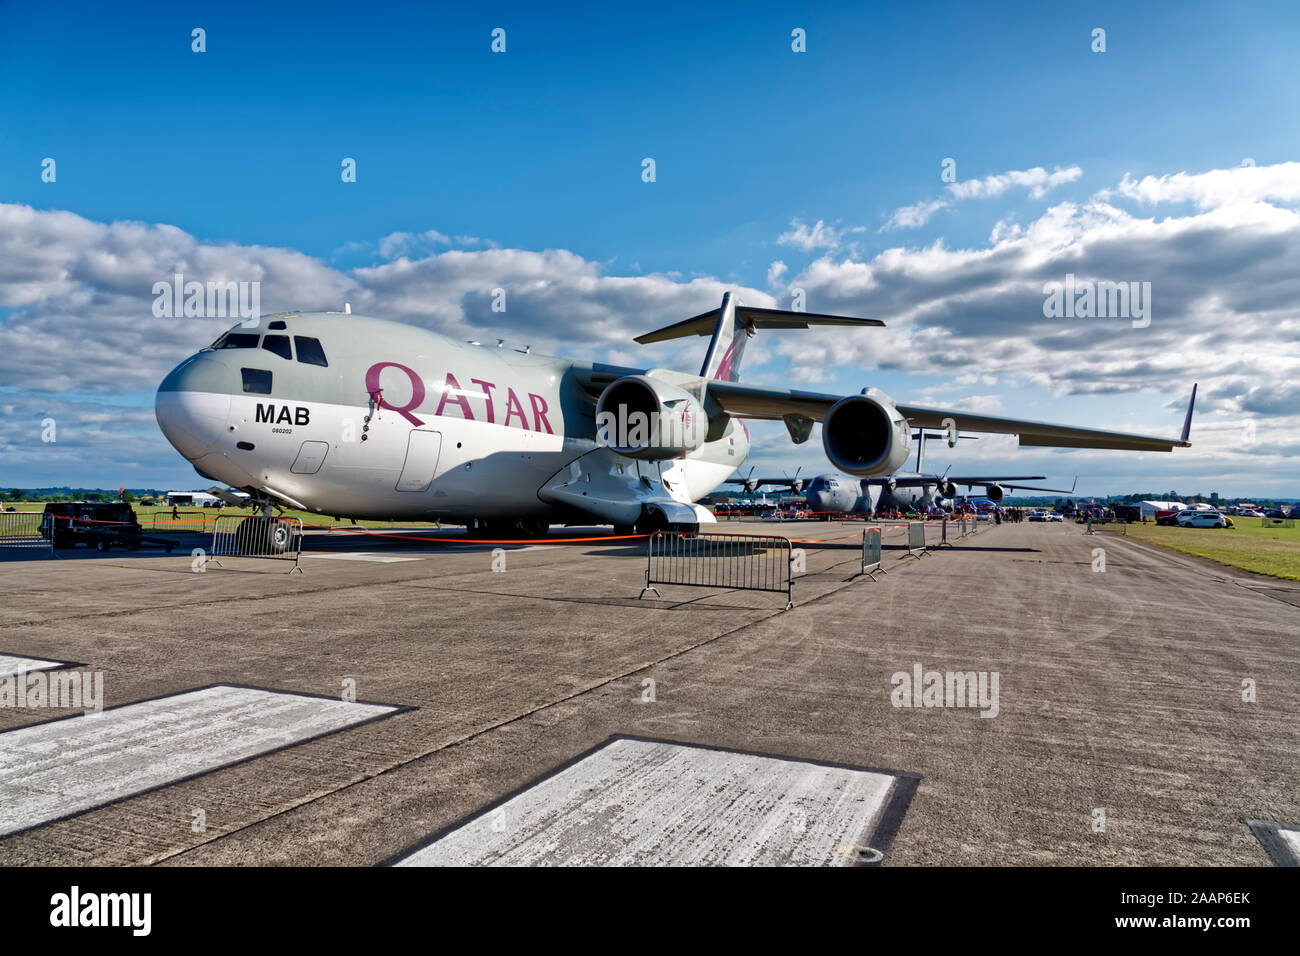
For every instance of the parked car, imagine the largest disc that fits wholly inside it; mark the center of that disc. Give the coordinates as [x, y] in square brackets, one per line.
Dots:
[1202, 519]
[1039, 515]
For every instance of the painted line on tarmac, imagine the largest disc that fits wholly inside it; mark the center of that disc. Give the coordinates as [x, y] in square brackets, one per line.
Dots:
[66, 766]
[362, 556]
[1280, 840]
[633, 801]
[12, 664]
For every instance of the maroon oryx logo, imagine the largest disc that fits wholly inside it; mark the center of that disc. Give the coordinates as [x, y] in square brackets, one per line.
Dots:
[417, 390]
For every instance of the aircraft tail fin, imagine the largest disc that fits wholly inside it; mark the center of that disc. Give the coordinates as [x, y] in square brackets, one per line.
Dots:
[732, 324]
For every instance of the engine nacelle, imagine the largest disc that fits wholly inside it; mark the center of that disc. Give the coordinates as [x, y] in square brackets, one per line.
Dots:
[995, 493]
[865, 435]
[947, 489]
[643, 417]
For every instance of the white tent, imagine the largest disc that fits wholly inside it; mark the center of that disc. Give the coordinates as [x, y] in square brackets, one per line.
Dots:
[1149, 508]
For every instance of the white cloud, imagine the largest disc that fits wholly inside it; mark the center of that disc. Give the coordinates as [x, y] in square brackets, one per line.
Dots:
[910, 217]
[1218, 187]
[1036, 181]
[80, 297]
[1226, 312]
[808, 238]
[402, 243]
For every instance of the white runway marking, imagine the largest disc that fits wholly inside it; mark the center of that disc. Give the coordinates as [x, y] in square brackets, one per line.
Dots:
[1280, 840]
[635, 802]
[63, 767]
[363, 556]
[9, 664]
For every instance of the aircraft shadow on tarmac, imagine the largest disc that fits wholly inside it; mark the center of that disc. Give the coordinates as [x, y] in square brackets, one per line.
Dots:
[431, 542]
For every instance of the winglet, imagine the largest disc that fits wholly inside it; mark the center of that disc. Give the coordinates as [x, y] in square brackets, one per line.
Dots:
[1187, 422]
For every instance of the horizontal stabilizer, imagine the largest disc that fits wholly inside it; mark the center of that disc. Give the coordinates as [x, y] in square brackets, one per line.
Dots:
[752, 318]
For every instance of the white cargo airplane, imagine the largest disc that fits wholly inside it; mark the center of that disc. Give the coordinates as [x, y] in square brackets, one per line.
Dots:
[358, 417]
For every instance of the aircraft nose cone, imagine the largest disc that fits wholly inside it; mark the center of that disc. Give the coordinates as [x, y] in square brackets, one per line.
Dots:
[193, 404]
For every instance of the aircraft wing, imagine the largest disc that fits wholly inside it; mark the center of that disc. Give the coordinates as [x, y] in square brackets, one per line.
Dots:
[766, 402]
[759, 482]
[918, 481]
[1010, 487]
[993, 479]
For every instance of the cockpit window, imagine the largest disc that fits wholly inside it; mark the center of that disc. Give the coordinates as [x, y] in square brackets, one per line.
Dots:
[237, 340]
[309, 351]
[256, 380]
[279, 344]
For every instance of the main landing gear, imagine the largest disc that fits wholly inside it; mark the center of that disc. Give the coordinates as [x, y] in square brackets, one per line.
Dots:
[505, 529]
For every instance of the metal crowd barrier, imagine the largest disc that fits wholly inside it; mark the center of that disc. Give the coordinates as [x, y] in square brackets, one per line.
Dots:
[22, 529]
[182, 521]
[943, 533]
[871, 553]
[239, 536]
[743, 562]
[916, 540]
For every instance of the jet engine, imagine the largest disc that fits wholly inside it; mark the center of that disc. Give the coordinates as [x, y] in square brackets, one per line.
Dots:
[995, 493]
[865, 435]
[643, 417]
[947, 489]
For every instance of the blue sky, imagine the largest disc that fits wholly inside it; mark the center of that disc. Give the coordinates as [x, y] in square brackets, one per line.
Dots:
[540, 148]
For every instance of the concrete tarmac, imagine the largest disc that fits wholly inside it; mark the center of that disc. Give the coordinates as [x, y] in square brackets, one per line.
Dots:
[1121, 735]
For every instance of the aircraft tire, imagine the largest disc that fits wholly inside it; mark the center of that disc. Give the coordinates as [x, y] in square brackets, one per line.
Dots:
[279, 537]
[535, 527]
[263, 536]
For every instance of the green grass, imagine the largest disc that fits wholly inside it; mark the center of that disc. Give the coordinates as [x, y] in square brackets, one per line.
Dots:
[1248, 545]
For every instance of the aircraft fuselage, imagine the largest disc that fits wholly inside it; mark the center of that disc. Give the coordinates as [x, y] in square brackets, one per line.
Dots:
[404, 423]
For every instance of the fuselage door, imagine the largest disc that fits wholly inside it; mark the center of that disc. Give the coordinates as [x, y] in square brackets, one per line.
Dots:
[310, 457]
[422, 450]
